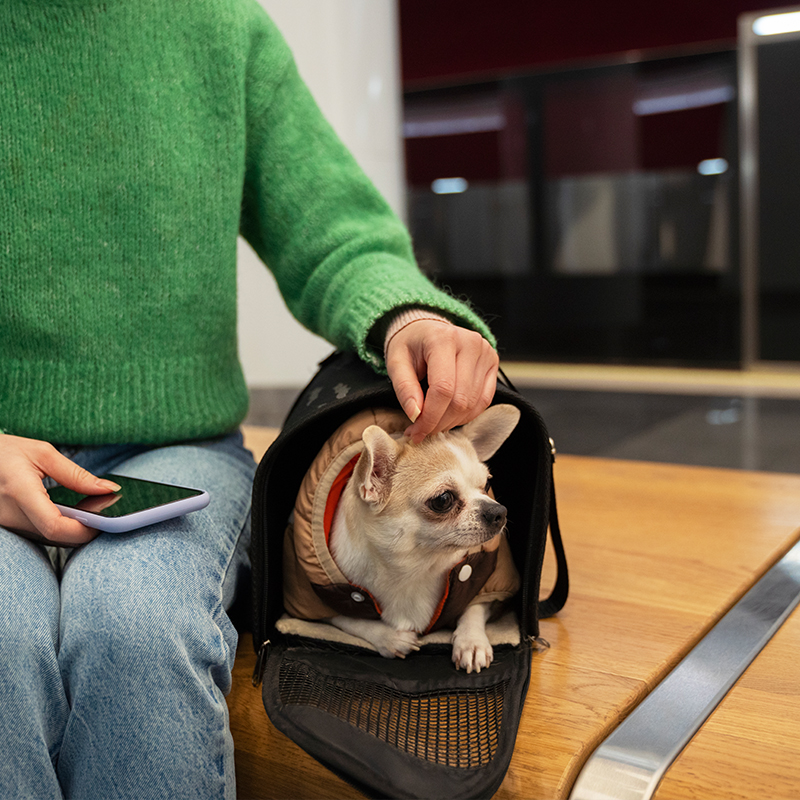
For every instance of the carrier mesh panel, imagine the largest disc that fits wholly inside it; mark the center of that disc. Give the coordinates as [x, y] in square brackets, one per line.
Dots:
[459, 728]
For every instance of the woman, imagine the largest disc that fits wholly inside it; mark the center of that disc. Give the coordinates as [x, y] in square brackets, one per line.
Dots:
[138, 138]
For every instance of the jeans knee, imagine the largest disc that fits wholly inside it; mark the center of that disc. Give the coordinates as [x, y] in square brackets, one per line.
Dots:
[148, 626]
[29, 606]
[28, 638]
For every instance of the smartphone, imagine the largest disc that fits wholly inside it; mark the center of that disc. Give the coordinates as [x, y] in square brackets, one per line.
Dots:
[136, 504]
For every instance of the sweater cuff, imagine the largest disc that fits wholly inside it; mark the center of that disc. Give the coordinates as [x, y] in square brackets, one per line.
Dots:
[405, 317]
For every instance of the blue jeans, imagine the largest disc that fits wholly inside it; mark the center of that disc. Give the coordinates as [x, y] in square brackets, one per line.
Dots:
[113, 678]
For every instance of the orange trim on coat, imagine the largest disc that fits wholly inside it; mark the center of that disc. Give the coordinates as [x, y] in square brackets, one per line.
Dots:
[335, 494]
[440, 607]
[337, 487]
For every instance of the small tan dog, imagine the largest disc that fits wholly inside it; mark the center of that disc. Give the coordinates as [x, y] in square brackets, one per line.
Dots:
[407, 517]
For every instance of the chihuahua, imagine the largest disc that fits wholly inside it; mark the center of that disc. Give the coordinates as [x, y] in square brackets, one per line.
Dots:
[409, 515]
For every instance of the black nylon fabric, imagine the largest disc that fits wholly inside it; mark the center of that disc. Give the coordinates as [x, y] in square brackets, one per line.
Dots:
[521, 480]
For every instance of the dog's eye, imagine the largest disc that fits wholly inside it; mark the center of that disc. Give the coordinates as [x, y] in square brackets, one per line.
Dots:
[442, 503]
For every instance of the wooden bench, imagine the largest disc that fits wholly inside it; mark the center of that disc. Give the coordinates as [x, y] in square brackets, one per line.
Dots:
[657, 554]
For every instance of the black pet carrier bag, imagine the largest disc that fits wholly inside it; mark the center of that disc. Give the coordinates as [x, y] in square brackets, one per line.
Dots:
[413, 727]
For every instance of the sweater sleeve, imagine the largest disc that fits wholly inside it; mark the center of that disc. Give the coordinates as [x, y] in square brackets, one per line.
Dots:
[341, 257]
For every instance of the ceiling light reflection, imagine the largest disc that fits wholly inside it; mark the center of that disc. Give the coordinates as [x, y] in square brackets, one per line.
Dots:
[449, 186]
[712, 166]
[683, 101]
[777, 23]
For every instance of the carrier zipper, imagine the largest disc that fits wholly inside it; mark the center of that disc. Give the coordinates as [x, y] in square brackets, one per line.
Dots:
[261, 663]
[538, 643]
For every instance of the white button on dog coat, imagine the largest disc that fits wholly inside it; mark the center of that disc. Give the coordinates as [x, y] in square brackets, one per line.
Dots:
[357, 597]
[464, 573]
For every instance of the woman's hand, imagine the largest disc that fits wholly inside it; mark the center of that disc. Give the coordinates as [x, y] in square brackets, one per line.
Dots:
[25, 506]
[461, 368]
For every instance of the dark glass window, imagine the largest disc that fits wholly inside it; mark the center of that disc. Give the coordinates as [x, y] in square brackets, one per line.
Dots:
[590, 214]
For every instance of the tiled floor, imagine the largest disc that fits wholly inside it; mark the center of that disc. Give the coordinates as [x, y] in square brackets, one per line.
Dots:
[746, 432]
[743, 433]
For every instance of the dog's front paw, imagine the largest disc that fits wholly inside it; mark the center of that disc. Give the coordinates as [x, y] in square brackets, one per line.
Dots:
[396, 644]
[471, 651]
[388, 641]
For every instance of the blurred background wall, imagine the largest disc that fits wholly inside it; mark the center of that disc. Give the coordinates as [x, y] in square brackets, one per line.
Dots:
[573, 168]
[461, 39]
[347, 52]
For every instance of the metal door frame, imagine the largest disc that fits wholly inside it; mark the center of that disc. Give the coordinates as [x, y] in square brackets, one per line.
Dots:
[748, 41]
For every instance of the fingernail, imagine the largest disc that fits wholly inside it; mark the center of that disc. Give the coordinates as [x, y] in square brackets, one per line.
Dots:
[110, 485]
[413, 411]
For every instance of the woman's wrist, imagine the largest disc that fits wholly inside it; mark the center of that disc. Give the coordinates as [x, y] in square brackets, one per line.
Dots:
[405, 317]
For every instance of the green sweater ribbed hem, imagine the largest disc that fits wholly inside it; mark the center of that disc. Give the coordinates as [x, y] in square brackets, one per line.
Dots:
[188, 399]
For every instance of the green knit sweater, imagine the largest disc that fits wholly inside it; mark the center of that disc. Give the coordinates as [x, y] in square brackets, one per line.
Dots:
[138, 138]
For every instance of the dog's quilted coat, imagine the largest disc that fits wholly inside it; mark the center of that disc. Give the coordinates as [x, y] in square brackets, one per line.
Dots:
[315, 588]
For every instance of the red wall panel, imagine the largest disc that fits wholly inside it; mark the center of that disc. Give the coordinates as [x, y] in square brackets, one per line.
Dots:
[474, 156]
[443, 40]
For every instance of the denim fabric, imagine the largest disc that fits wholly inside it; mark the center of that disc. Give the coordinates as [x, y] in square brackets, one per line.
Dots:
[112, 680]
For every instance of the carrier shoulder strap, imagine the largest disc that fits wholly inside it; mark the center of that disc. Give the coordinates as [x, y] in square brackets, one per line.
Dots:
[558, 596]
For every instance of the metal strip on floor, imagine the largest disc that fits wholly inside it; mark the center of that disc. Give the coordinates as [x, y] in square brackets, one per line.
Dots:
[630, 763]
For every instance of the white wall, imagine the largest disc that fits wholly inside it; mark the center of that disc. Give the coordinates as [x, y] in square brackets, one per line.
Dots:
[347, 52]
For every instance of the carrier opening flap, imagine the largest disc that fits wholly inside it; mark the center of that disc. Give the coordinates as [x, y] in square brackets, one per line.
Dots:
[411, 728]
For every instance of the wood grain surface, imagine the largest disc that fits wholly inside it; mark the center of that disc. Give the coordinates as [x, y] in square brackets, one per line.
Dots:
[750, 746]
[657, 553]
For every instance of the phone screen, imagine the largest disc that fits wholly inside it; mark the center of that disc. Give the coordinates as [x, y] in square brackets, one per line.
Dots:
[135, 495]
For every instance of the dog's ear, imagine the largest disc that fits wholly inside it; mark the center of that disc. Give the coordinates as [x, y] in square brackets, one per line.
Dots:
[488, 431]
[376, 467]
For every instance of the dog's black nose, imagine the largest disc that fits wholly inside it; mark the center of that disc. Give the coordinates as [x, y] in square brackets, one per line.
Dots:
[494, 515]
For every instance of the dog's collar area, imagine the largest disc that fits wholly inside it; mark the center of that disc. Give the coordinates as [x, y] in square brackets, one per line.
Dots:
[464, 581]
